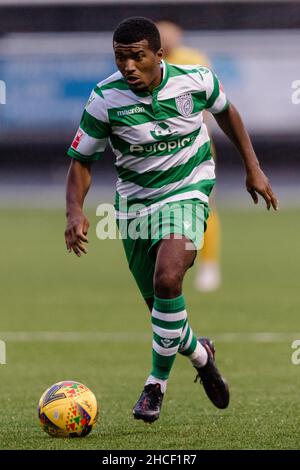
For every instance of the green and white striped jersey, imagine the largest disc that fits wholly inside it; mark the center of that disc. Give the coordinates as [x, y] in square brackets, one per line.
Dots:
[160, 141]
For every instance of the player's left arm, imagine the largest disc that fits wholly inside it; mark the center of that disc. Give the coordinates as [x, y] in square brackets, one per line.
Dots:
[232, 125]
[257, 182]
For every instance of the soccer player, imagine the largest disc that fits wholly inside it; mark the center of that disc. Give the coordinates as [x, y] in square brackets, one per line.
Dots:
[208, 274]
[151, 114]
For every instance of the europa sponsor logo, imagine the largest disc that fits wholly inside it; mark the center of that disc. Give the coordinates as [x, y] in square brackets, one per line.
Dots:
[160, 146]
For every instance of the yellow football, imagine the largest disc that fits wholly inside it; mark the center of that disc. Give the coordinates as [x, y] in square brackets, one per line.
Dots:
[68, 409]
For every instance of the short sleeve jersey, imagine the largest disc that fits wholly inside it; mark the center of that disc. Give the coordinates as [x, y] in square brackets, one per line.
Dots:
[159, 139]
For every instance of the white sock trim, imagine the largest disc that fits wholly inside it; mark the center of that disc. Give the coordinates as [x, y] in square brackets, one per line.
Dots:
[154, 380]
[199, 356]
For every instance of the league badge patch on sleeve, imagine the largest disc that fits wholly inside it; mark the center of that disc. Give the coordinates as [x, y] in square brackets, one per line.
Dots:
[77, 139]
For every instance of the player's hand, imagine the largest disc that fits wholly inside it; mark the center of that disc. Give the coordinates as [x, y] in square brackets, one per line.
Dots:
[76, 233]
[258, 183]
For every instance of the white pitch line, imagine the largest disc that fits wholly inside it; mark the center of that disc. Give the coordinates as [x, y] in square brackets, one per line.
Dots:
[73, 336]
[137, 337]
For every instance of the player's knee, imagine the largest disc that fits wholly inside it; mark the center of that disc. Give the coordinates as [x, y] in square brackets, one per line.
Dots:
[167, 283]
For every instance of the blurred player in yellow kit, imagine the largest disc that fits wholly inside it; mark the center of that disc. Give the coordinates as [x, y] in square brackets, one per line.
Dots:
[208, 277]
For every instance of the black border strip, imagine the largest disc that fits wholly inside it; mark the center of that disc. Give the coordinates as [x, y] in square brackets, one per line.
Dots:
[191, 16]
[151, 457]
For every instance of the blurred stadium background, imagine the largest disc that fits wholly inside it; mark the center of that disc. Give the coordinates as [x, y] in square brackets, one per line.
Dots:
[51, 55]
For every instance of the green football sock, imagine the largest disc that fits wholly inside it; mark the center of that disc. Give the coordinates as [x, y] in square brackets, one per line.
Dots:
[188, 340]
[168, 318]
[189, 346]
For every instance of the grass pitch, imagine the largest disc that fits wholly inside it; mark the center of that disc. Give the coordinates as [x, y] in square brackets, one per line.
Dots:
[45, 289]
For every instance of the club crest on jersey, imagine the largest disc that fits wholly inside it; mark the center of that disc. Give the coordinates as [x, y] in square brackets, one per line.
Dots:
[184, 104]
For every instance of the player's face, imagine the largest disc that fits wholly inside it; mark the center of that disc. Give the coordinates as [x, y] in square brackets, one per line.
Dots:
[139, 65]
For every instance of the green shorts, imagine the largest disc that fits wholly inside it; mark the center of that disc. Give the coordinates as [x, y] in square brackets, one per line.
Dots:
[140, 235]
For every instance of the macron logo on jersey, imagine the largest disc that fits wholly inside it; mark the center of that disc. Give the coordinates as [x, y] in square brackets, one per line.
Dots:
[135, 110]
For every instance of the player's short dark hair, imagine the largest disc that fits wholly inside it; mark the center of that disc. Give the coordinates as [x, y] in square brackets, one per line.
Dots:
[135, 29]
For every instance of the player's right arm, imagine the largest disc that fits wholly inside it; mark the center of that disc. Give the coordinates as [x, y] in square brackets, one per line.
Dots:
[78, 184]
[87, 147]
